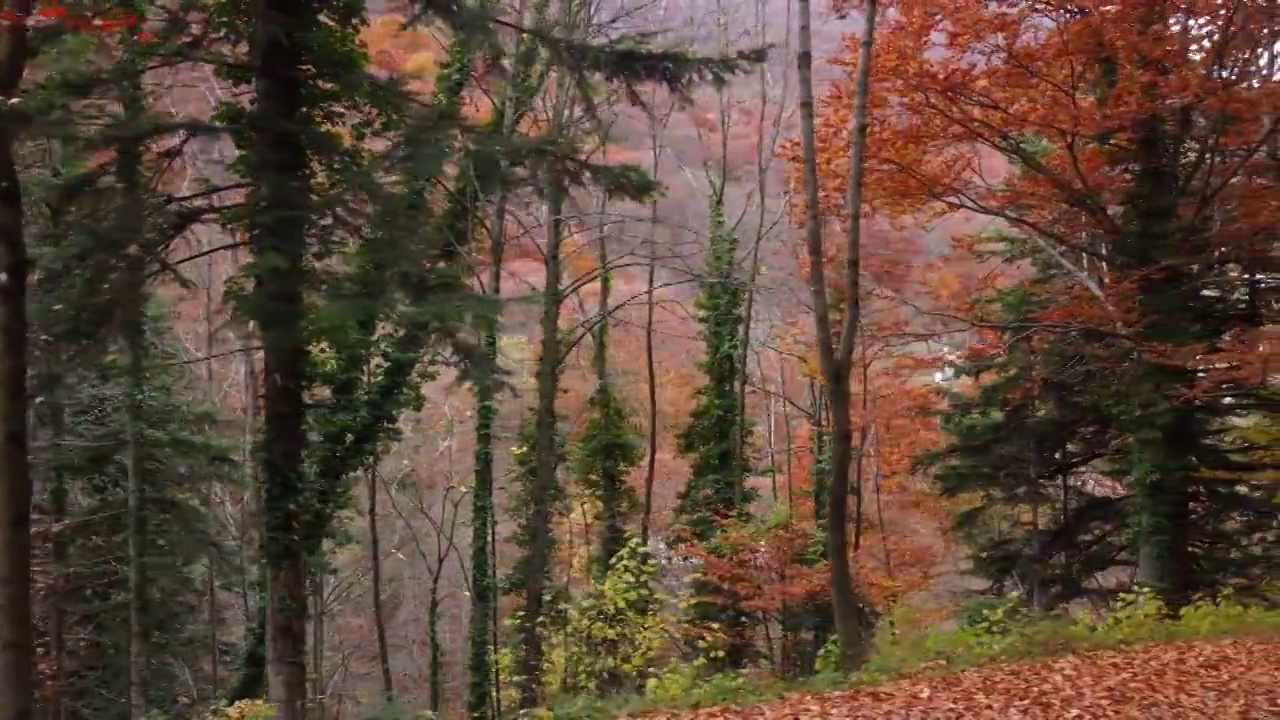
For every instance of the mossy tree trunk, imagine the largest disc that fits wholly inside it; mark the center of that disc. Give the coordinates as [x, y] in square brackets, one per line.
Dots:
[280, 169]
[16, 642]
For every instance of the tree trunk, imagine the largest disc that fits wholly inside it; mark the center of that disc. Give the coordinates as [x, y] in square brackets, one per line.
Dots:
[651, 467]
[317, 640]
[771, 434]
[137, 521]
[16, 643]
[786, 433]
[482, 692]
[484, 589]
[211, 574]
[851, 615]
[61, 560]
[483, 570]
[436, 661]
[613, 532]
[859, 473]
[251, 681]
[375, 565]
[131, 234]
[884, 536]
[1165, 562]
[548, 380]
[280, 170]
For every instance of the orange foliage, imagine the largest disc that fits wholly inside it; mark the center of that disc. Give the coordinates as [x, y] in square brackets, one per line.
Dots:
[394, 48]
[414, 55]
[956, 94]
[763, 569]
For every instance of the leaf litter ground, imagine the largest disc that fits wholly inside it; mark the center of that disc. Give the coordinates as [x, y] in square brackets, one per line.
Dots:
[1230, 680]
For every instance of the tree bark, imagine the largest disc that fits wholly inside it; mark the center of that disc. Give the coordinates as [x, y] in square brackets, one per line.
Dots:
[484, 587]
[280, 170]
[211, 573]
[613, 531]
[851, 615]
[483, 696]
[60, 553]
[16, 642]
[131, 234]
[251, 680]
[435, 670]
[651, 372]
[548, 383]
[859, 473]
[317, 640]
[134, 340]
[375, 565]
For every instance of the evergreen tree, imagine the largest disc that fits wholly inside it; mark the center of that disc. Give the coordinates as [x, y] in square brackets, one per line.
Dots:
[1021, 443]
[717, 492]
[1060, 411]
[604, 453]
[609, 446]
[87, 460]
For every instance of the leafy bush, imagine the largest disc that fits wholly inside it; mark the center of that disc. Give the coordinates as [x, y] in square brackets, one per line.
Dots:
[616, 630]
[612, 637]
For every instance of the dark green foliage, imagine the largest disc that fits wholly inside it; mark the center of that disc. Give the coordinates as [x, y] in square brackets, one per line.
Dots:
[628, 61]
[717, 489]
[1034, 423]
[85, 460]
[525, 468]
[606, 451]
[1062, 408]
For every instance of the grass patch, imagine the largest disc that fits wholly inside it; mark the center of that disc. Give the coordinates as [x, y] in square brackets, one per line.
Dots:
[1007, 634]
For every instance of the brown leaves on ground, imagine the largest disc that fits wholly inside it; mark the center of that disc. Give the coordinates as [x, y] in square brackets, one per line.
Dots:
[1238, 679]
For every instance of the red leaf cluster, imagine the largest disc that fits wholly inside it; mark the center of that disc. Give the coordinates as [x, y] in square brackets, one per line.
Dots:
[112, 20]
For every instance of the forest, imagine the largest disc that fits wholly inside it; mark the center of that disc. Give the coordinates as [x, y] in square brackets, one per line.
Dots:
[560, 358]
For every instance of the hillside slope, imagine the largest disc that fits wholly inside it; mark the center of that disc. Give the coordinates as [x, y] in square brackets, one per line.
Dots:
[1236, 679]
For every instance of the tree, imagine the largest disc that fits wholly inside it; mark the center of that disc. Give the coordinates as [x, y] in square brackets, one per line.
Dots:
[281, 170]
[182, 452]
[717, 490]
[608, 447]
[16, 645]
[1131, 187]
[569, 105]
[835, 352]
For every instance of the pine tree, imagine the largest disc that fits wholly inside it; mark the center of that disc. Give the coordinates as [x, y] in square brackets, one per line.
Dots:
[609, 446]
[717, 492]
[87, 455]
[1020, 443]
[1061, 449]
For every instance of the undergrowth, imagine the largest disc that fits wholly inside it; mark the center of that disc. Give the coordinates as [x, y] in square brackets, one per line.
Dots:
[1001, 633]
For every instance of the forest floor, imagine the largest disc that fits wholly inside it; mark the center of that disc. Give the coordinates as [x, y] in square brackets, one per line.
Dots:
[1235, 679]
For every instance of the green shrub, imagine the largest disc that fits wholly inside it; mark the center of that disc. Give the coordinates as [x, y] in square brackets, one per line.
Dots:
[612, 640]
[992, 630]
[1007, 631]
